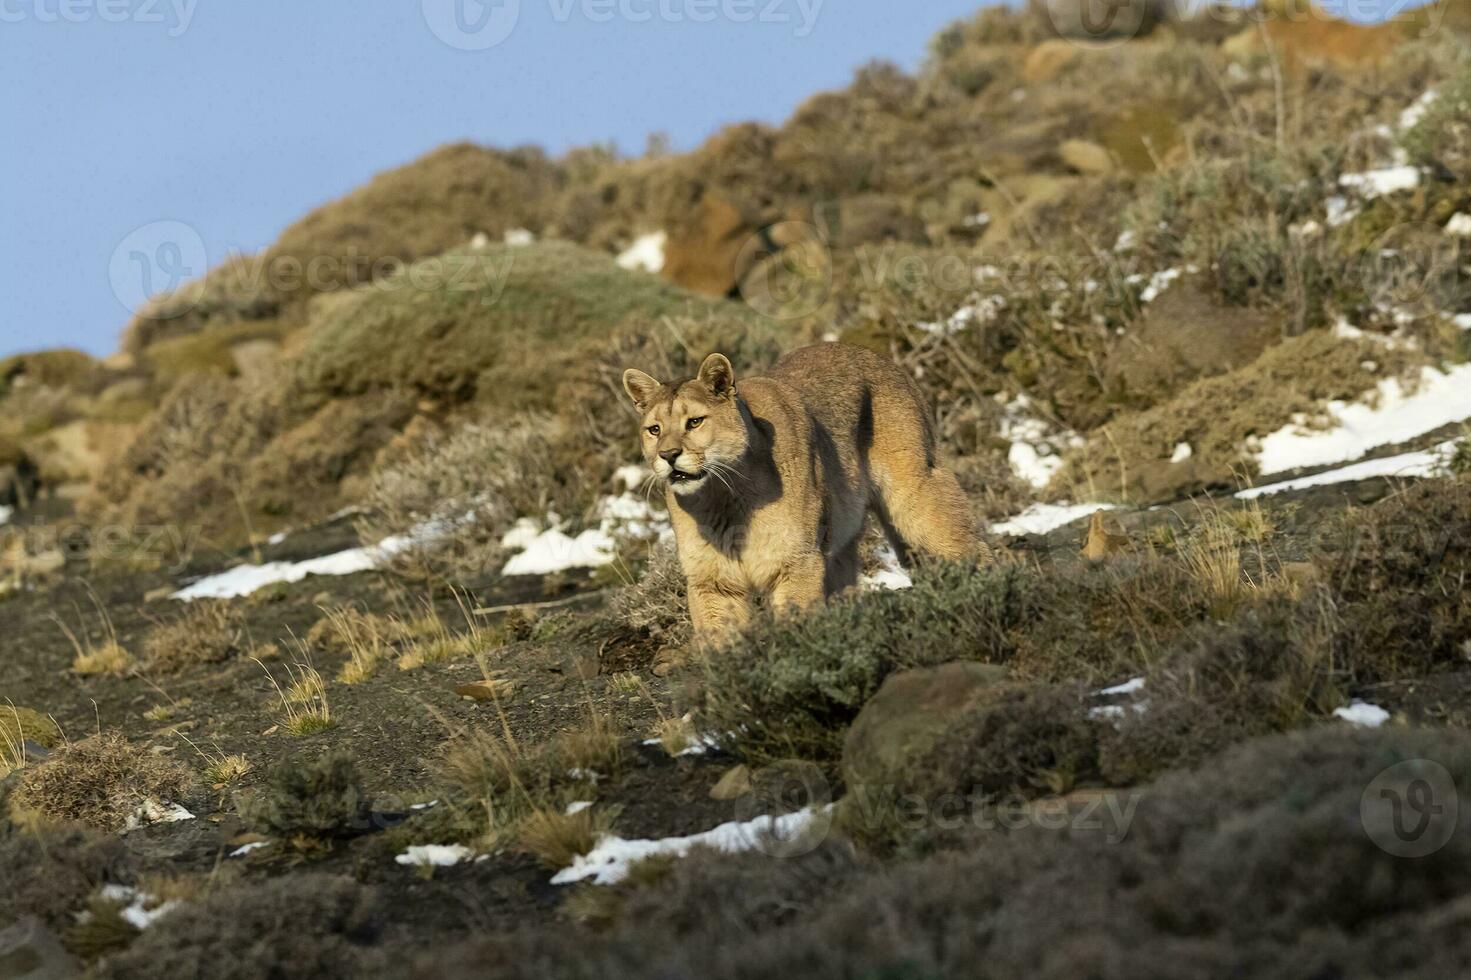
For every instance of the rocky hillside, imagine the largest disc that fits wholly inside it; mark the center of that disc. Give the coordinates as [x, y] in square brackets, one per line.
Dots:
[341, 635]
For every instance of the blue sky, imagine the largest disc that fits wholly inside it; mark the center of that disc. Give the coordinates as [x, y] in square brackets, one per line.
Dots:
[237, 117]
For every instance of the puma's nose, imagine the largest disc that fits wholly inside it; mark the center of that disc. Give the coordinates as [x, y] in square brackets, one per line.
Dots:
[669, 455]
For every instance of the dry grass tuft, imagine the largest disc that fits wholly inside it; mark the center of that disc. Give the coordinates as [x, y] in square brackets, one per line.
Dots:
[208, 632]
[97, 657]
[303, 701]
[99, 781]
[557, 838]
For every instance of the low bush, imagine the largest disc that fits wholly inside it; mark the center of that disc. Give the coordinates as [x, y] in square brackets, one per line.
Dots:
[100, 781]
[1259, 864]
[208, 632]
[314, 796]
[300, 926]
[49, 870]
[1400, 578]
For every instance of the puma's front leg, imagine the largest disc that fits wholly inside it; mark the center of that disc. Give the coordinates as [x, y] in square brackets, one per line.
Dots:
[716, 609]
[799, 584]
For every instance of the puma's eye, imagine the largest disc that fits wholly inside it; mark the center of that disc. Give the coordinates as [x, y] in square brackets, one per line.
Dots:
[694, 423]
[653, 430]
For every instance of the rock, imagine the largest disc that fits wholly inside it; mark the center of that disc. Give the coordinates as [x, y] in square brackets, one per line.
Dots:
[31, 951]
[1185, 334]
[910, 711]
[256, 361]
[1085, 157]
[1048, 60]
[735, 783]
[1303, 43]
[1102, 542]
[491, 689]
[703, 255]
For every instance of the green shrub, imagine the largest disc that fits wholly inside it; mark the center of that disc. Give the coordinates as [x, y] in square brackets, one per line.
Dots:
[502, 324]
[313, 795]
[790, 686]
[1400, 582]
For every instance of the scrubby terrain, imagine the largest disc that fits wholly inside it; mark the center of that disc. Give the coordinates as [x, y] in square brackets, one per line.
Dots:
[342, 634]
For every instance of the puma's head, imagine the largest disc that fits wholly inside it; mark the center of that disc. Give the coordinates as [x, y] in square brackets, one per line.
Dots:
[689, 429]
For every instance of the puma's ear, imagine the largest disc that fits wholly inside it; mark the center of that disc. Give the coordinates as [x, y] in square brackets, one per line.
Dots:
[717, 374]
[640, 387]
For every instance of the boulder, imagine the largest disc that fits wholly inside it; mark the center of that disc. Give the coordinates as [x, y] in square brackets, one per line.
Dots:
[1085, 157]
[1303, 43]
[29, 950]
[1185, 334]
[910, 712]
[1049, 59]
[705, 253]
[1101, 540]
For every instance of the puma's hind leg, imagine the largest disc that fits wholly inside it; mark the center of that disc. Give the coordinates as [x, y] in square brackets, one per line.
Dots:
[922, 507]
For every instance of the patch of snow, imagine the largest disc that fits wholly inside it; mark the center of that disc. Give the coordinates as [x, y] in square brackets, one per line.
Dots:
[1459, 225]
[577, 807]
[982, 310]
[519, 237]
[1127, 687]
[435, 855]
[251, 848]
[1126, 240]
[1339, 212]
[608, 862]
[1362, 713]
[1428, 462]
[1443, 397]
[631, 477]
[1462, 320]
[1113, 712]
[1386, 180]
[1183, 451]
[136, 912]
[890, 574]
[1307, 229]
[1159, 282]
[278, 537]
[481, 240]
[544, 548]
[423, 806]
[646, 253]
[242, 580]
[978, 220]
[1041, 518]
[1036, 446]
[5, 513]
[699, 747]
[157, 811]
[551, 550]
[1416, 110]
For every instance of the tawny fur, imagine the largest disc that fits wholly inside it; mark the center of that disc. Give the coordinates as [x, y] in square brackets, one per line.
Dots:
[769, 481]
